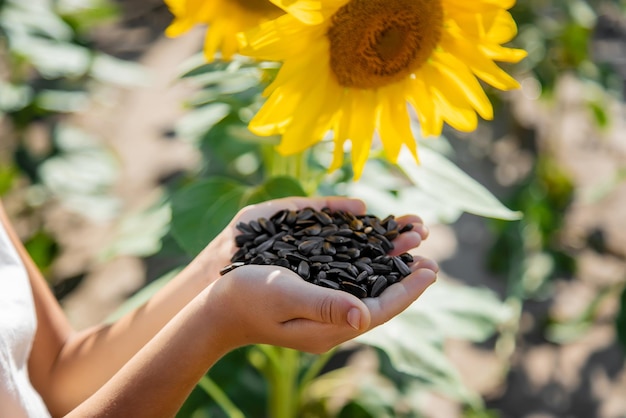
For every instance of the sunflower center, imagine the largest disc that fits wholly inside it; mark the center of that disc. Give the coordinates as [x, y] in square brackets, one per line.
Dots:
[376, 42]
[263, 7]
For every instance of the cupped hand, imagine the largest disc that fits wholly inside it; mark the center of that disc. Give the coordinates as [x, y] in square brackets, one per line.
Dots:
[272, 305]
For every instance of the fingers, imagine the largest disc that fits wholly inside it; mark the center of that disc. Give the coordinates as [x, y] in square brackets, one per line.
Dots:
[397, 297]
[411, 239]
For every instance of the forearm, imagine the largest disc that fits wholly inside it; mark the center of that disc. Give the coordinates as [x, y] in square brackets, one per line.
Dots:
[89, 359]
[157, 380]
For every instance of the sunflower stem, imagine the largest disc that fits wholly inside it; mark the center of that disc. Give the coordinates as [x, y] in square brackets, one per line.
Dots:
[295, 166]
[314, 370]
[220, 397]
[283, 380]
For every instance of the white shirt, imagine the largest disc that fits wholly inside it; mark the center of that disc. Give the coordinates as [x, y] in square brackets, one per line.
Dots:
[18, 323]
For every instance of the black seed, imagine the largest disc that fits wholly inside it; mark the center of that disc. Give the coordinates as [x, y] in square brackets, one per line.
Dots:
[391, 235]
[362, 236]
[289, 238]
[401, 266]
[269, 256]
[378, 228]
[311, 230]
[256, 226]
[291, 218]
[281, 245]
[259, 259]
[335, 239]
[407, 258]
[295, 257]
[364, 267]
[305, 214]
[352, 270]
[267, 225]
[282, 262]
[265, 246]
[304, 269]
[379, 286]
[385, 243]
[305, 247]
[324, 218]
[356, 225]
[381, 268]
[344, 232]
[342, 257]
[391, 224]
[328, 283]
[406, 228]
[393, 277]
[339, 264]
[361, 277]
[355, 289]
[353, 252]
[242, 239]
[230, 267]
[260, 238]
[279, 217]
[328, 230]
[321, 258]
[327, 248]
[239, 254]
[244, 227]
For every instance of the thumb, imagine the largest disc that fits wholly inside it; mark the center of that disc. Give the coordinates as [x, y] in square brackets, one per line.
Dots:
[334, 307]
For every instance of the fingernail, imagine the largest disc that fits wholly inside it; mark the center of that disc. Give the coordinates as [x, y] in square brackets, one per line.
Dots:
[354, 318]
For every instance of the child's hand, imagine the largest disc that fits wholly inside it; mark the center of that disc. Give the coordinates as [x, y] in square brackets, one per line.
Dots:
[272, 305]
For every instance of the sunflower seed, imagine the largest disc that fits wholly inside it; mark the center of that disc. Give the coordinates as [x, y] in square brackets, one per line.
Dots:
[335, 249]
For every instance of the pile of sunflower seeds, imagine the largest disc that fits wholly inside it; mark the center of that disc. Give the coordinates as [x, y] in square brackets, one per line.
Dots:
[335, 249]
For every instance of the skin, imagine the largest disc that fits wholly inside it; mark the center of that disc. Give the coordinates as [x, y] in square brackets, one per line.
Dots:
[144, 365]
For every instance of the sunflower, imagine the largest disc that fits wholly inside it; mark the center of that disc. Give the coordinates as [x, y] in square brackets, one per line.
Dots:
[225, 19]
[351, 67]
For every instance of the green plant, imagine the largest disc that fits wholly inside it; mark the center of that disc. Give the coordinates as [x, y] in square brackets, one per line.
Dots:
[239, 168]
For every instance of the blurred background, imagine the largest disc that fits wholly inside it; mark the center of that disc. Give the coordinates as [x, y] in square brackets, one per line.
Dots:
[91, 144]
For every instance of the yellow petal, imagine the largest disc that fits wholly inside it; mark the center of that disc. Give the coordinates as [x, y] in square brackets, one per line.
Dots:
[482, 66]
[310, 12]
[456, 73]
[455, 110]
[312, 117]
[420, 96]
[273, 40]
[361, 128]
[394, 125]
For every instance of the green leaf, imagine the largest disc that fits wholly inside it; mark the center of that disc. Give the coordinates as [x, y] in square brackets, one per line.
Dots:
[62, 101]
[462, 312]
[381, 190]
[414, 339]
[81, 174]
[275, 188]
[140, 234]
[33, 18]
[142, 296]
[195, 124]
[52, 58]
[14, 97]
[112, 70]
[200, 211]
[443, 180]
